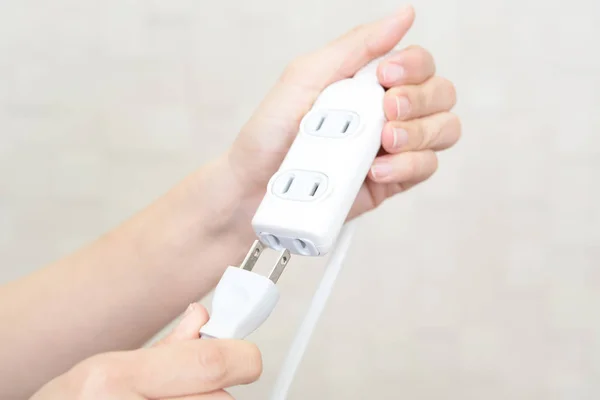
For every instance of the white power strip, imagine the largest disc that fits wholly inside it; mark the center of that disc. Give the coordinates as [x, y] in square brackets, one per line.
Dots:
[304, 210]
[308, 199]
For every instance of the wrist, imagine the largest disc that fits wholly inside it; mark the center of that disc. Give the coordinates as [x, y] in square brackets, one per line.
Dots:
[220, 202]
[204, 221]
[199, 222]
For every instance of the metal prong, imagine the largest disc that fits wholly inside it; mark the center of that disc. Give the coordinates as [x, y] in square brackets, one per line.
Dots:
[252, 256]
[282, 261]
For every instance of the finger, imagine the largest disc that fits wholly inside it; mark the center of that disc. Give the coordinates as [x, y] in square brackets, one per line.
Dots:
[188, 327]
[191, 367]
[412, 101]
[343, 57]
[412, 65]
[414, 166]
[218, 395]
[436, 132]
[372, 194]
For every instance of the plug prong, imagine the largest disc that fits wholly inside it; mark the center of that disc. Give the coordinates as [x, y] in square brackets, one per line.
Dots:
[282, 261]
[252, 256]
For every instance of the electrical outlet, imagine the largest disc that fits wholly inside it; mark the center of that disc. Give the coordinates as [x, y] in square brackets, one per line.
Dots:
[297, 246]
[331, 123]
[300, 185]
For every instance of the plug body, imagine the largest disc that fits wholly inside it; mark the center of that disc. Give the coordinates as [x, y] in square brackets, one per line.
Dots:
[310, 196]
[242, 301]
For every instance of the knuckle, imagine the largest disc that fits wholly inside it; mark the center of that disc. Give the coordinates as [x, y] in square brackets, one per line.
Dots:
[421, 54]
[378, 199]
[428, 164]
[411, 168]
[421, 60]
[434, 164]
[211, 360]
[449, 131]
[424, 165]
[459, 129]
[96, 375]
[455, 122]
[424, 98]
[450, 90]
[426, 61]
[392, 189]
[453, 119]
[370, 48]
[424, 133]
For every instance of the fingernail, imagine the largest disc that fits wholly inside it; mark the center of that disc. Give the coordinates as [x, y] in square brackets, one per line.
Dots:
[400, 137]
[184, 318]
[402, 107]
[393, 73]
[189, 310]
[381, 170]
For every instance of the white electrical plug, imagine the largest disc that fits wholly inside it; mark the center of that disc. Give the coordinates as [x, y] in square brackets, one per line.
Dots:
[308, 199]
[243, 300]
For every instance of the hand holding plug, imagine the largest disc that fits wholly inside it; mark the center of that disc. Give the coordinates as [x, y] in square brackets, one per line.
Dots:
[178, 367]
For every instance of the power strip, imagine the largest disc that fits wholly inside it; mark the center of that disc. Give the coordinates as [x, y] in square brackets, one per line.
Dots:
[310, 196]
[304, 210]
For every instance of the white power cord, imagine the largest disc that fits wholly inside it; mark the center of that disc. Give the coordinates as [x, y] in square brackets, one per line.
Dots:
[303, 212]
[300, 343]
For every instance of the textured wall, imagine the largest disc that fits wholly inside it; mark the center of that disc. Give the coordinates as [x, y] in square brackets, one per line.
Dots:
[480, 284]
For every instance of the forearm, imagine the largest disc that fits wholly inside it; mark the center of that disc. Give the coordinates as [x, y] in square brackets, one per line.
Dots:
[123, 288]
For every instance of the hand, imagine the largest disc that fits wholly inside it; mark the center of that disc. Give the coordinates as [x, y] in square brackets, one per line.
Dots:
[416, 104]
[201, 226]
[179, 367]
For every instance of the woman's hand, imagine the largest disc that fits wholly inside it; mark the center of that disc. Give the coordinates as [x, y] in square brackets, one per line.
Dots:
[175, 250]
[178, 367]
[417, 105]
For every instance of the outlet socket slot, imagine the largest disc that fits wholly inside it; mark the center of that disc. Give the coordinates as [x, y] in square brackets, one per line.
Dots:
[303, 247]
[331, 123]
[300, 185]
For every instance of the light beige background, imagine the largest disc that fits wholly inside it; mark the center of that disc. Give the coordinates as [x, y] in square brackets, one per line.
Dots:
[482, 284]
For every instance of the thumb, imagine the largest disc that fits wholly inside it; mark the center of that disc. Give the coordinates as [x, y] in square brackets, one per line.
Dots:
[188, 327]
[343, 57]
[273, 127]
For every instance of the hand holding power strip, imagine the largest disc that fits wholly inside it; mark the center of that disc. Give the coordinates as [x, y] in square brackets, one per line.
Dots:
[308, 199]
[310, 196]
